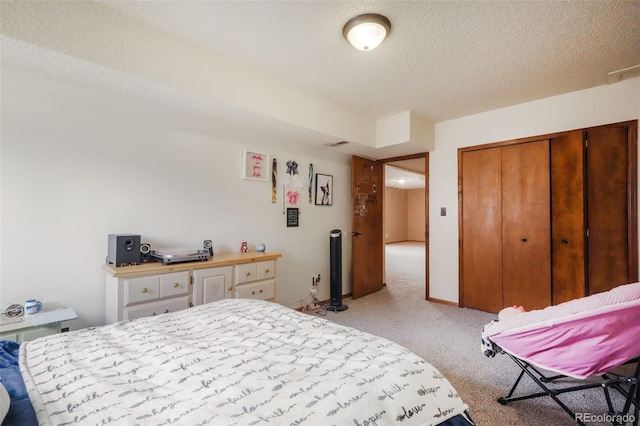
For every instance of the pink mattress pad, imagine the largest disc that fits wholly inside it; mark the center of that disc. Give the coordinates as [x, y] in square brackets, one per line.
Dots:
[579, 338]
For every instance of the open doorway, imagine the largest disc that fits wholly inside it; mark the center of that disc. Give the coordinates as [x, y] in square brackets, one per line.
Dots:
[404, 228]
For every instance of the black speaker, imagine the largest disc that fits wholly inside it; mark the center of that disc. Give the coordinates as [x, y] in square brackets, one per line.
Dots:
[208, 245]
[145, 253]
[335, 271]
[123, 250]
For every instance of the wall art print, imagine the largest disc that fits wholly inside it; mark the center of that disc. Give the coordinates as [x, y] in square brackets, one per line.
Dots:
[255, 165]
[324, 190]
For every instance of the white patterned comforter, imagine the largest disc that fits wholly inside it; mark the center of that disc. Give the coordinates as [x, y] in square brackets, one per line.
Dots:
[232, 362]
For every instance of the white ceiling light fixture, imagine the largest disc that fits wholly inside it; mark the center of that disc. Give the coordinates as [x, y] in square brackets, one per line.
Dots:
[366, 32]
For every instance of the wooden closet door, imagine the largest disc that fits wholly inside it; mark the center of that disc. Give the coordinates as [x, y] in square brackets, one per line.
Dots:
[568, 234]
[607, 171]
[481, 230]
[526, 223]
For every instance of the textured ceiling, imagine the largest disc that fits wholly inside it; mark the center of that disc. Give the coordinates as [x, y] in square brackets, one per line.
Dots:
[442, 60]
[411, 171]
[400, 178]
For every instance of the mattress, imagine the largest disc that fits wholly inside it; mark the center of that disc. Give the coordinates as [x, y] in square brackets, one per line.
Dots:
[232, 362]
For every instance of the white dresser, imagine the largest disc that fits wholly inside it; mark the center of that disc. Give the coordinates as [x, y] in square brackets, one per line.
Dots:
[152, 288]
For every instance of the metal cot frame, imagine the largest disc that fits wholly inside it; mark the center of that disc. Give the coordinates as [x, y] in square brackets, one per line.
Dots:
[627, 386]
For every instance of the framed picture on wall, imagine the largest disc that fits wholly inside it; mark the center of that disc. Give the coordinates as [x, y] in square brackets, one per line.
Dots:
[255, 165]
[293, 215]
[324, 190]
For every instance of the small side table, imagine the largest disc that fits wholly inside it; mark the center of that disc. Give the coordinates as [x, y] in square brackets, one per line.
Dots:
[31, 327]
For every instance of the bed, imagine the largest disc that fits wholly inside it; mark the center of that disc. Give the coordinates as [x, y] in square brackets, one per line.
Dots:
[233, 362]
[585, 338]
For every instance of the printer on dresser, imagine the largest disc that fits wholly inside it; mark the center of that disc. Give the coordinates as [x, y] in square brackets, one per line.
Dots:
[152, 288]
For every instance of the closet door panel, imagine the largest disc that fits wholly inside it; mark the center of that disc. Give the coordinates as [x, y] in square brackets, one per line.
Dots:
[607, 161]
[481, 239]
[526, 222]
[568, 232]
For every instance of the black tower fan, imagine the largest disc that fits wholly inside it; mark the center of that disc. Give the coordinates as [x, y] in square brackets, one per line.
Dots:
[335, 263]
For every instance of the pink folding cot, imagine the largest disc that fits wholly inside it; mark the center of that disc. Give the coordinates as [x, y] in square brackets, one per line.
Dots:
[586, 337]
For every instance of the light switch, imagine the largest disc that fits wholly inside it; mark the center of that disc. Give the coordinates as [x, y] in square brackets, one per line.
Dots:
[443, 211]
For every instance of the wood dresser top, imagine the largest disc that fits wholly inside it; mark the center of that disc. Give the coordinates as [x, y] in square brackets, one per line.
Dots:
[220, 259]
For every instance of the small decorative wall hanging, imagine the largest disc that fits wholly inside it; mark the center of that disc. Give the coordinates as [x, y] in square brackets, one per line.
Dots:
[292, 168]
[255, 165]
[291, 185]
[292, 217]
[274, 181]
[310, 183]
[324, 190]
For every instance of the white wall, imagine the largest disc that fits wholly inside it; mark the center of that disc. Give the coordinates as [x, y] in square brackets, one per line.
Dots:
[415, 215]
[597, 106]
[78, 164]
[395, 214]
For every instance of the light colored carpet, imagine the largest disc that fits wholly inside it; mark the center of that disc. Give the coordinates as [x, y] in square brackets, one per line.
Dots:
[449, 338]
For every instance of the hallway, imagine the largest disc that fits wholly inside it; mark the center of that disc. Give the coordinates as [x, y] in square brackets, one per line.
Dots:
[405, 268]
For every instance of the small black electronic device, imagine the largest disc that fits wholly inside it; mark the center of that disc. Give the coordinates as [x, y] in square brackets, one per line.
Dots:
[123, 249]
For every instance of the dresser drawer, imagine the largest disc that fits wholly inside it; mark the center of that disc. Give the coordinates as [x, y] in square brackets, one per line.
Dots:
[258, 290]
[266, 270]
[174, 284]
[146, 289]
[141, 289]
[249, 272]
[156, 308]
[246, 273]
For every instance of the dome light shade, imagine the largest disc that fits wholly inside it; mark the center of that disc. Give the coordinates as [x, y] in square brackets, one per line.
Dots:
[366, 32]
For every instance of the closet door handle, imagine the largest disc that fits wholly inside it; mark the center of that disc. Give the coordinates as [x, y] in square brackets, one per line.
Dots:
[355, 234]
[565, 241]
[524, 240]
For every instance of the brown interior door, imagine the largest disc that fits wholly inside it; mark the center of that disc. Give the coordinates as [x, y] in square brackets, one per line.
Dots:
[481, 230]
[568, 234]
[366, 242]
[526, 225]
[607, 168]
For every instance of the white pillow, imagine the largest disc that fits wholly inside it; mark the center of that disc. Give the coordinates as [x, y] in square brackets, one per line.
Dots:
[5, 400]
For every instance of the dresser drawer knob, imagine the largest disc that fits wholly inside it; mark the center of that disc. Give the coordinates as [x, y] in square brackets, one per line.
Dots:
[230, 288]
[176, 285]
[144, 289]
[166, 311]
[266, 271]
[253, 292]
[260, 290]
[248, 273]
